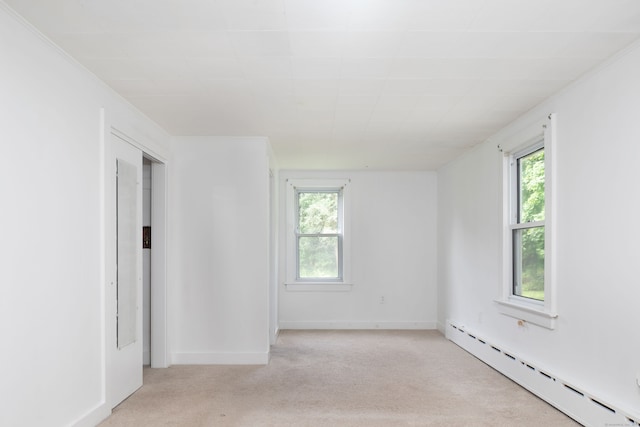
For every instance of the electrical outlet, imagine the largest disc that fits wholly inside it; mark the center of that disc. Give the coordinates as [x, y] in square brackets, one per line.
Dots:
[382, 300]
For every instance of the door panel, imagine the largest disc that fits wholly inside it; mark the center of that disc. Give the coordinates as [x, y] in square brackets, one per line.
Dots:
[126, 260]
[124, 265]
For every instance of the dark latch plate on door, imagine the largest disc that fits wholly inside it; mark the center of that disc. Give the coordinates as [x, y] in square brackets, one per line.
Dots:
[146, 237]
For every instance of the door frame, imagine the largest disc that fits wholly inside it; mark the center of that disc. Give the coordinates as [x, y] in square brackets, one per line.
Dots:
[112, 125]
[159, 341]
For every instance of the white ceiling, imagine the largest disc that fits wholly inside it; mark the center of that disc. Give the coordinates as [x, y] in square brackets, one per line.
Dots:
[339, 84]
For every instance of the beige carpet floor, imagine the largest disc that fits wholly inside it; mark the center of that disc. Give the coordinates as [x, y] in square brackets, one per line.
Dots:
[340, 378]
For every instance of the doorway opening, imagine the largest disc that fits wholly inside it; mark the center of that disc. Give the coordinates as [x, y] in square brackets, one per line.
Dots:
[154, 307]
[155, 296]
[143, 317]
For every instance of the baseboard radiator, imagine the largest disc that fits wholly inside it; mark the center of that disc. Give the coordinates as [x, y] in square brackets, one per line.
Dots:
[580, 405]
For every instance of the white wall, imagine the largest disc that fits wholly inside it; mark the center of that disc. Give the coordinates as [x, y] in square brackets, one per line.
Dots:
[393, 256]
[51, 295]
[596, 343]
[219, 242]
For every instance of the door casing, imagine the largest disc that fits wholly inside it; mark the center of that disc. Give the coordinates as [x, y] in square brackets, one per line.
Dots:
[113, 124]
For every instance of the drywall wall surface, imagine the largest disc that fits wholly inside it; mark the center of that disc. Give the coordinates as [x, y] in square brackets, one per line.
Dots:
[219, 240]
[393, 256]
[595, 344]
[51, 290]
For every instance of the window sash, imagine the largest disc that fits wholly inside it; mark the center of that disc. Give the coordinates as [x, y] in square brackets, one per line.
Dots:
[339, 259]
[514, 179]
[334, 191]
[339, 234]
[519, 264]
[516, 226]
[519, 206]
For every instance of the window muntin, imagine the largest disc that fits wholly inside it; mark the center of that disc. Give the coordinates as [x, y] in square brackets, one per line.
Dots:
[319, 235]
[528, 224]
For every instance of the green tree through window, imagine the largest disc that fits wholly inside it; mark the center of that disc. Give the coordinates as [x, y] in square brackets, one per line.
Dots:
[319, 241]
[529, 240]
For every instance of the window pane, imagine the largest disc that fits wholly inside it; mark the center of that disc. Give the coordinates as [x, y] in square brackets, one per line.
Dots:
[531, 187]
[528, 260]
[317, 212]
[318, 257]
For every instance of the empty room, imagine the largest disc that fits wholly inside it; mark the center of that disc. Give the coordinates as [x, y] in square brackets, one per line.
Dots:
[319, 213]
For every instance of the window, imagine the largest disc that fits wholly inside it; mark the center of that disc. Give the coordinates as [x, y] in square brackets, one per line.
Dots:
[317, 239]
[528, 285]
[527, 223]
[318, 234]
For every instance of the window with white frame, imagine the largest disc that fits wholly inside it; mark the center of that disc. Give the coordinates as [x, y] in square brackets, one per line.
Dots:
[318, 234]
[528, 285]
[317, 241]
[528, 222]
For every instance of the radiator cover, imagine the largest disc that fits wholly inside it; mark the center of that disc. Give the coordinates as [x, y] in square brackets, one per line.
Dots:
[584, 407]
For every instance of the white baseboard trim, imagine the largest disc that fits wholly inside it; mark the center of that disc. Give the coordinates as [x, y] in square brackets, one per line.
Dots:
[220, 358]
[356, 325]
[441, 327]
[274, 338]
[583, 406]
[94, 416]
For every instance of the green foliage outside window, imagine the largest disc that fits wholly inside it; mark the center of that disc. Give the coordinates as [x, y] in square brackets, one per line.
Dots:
[532, 208]
[532, 187]
[318, 240]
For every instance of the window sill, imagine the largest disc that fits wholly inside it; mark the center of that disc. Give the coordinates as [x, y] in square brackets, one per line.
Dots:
[528, 313]
[318, 287]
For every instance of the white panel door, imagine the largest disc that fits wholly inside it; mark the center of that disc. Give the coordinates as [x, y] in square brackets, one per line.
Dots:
[124, 275]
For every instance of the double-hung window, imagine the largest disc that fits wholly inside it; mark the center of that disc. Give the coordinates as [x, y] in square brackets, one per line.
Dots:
[528, 222]
[317, 239]
[318, 234]
[528, 292]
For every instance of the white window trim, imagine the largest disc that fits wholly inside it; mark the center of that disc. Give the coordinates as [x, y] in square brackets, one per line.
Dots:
[292, 283]
[542, 313]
